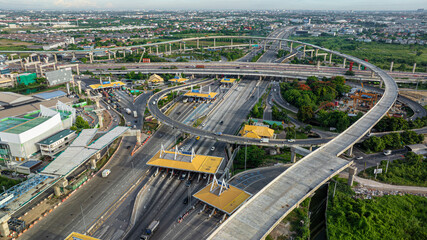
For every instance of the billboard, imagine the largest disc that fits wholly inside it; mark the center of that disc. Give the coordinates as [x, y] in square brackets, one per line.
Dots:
[60, 76]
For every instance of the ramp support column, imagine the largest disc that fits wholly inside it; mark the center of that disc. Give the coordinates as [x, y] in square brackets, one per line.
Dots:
[4, 227]
[350, 151]
[93, 163]
[351, 173]
[293, 155]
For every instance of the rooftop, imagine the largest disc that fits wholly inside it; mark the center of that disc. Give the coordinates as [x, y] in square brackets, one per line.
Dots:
[7, 123]
[178, 79]
[10, 98]
[25, 126]
[252, 131]
[155, 78]
[16, 111]
[57, 136]
[186, 162]
[227, 199]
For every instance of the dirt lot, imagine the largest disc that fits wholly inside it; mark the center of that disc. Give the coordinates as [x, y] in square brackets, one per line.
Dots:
[8, 42]
[420, 96]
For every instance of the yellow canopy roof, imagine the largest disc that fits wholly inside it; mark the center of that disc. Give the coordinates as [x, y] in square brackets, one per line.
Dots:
[79, 236]
[228, 201]
[228, 80]
[155, 78]
[199, 163]
[201, 95]
[108, 85]
[252, 131]
[178, 80]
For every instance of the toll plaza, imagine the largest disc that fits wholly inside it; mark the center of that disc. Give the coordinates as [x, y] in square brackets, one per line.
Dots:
[198, 95]
[105, 85]
[222, 196]
[185, 161]
[79, 236]
[178, 79]
[228, 82]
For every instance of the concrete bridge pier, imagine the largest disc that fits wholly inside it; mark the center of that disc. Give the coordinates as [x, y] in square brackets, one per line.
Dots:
[170, 48]
[197, 43]
[381, 84]
[414, 68]
[330, 58]
[56, 58]
[184, 47]
[317, 51]
[350, 151]
[280, 45]
[311, 53]
[303, 53]
[4, 227]
[92, 163]
[318, 65]
[372, 74]
[57, 187]
[292, 43]
[88, 92]
[343, 64]
[79, 84]
[231, 41]
[138, 137]
[352, 170]
[359, 66]
[214, 42]
[157, 49]
[391, 66]
[100, 117]
[293, 155]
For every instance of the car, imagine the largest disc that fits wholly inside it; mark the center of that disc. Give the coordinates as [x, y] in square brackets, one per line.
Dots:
[127, 147]
[212, 148]
[203, 124]
[205, 176]
[185, 200]
[291, 140]
[188, 183]
[387, 152]
[221, 122]
[183, 176]
[359, 158]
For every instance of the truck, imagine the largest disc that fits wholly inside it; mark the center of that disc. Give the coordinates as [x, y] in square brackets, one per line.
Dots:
[200, 66]
[218, 133]
[105, 173]
[151, 228]
[135, 114]
[264, 140]
[128, 111]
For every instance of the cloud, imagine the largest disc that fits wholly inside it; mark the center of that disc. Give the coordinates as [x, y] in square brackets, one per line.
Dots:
[74, 3]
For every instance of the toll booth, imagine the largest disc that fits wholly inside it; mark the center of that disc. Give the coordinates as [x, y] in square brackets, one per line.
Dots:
[228, 82]
[198, 95]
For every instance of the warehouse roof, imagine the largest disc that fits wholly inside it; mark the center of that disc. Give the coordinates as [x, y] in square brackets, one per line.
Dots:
[186, 162]
[7, 123]
[222, 196]
[16, 111]
[50, 95]
[252, 131]
[57, 136]
[10, 98]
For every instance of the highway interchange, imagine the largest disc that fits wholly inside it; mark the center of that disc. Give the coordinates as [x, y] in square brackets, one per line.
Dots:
[100, 200]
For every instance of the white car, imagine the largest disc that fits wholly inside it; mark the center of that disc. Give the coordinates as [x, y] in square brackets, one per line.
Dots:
[359, 158]
[291, 140]
[212, 148]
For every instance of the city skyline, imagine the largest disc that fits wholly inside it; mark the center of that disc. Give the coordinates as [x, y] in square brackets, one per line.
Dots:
[392, 5]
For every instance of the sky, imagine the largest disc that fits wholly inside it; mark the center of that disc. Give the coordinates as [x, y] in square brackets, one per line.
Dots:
[214, 4]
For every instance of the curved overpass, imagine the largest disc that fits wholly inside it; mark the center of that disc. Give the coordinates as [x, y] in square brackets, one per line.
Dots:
[256, 218]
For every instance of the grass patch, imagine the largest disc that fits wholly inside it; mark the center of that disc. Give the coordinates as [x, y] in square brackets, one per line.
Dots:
[199, 121]
[7, 182]
[387, 217]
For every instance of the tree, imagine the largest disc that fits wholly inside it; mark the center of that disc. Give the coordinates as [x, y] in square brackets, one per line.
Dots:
[305, 113]
[308, 128]
[81, 123]
[374, 144]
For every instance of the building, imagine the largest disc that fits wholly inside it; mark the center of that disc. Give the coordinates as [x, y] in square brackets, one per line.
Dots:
[5, 82]
[56, 143]
[155, 79]
[252, 131]
[19, 135]
[420, 149]
[178, 79]
[60, 76]
[10, 99]
[27, 78]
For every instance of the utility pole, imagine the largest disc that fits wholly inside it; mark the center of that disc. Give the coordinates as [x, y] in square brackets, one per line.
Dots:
[386, 167]
[335, 188]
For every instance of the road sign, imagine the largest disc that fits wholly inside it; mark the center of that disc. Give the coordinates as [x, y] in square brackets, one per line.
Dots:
[378, 171]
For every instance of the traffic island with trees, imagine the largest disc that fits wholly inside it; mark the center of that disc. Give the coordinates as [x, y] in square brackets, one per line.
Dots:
[391, 141]
[315, 99]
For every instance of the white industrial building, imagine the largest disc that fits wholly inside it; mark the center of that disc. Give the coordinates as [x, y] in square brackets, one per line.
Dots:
[19, 135]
